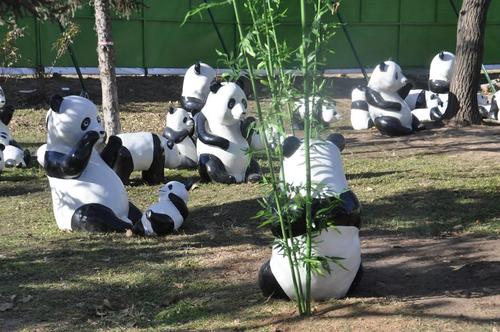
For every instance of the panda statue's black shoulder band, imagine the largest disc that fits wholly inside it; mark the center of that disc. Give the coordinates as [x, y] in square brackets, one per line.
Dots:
[405, 91]
[175, 136]
[375, 99]
[206, 137]
[71, 165]
[179, 204]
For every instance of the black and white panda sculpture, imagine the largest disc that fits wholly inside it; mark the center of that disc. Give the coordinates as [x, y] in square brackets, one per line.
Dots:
[196, 87]
[324, 112]
[490, 112]
[13, 154]
[86, 193]
[168, 214]
[177, 140]
[225, 135]
[329, 185]
[360, 116]
[389, 112]
[142, 151]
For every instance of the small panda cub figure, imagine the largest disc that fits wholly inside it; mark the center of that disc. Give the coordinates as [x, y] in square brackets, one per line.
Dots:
[389, 112]
[177, 140]
[490, 112]
[13, 154]
[337, 229]
[196, 87]
[168, 214]
[360, 116]
[225, 135]
[325, 112]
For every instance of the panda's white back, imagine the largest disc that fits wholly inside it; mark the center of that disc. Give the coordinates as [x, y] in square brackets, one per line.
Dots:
[140, 146]
[198, 85]
[442, 67]
[97, 184]
[360, 119]
[342, 242]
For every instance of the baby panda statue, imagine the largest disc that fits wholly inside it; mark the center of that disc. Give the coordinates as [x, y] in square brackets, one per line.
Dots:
[360, 116]
[168, 214]
[491, 112]
[196, 87]
[389, 112]
[224, 136]
[337, 229]
[177, 140]
[87, 194]
[13, 154]
[142, 151]
[324, 112]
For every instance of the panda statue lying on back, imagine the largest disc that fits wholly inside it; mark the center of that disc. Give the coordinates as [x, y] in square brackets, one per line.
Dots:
[225, 135]
[13, 154]
[86, 193]
[196, 87]
[337, 229]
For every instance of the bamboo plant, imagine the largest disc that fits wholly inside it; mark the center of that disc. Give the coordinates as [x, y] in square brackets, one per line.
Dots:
[261, 50]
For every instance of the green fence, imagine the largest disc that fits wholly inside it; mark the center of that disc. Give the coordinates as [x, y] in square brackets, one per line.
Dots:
[409, 31]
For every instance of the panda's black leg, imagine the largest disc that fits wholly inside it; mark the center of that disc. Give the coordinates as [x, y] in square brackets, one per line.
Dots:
[356, 281]
[390, 126]
[253, 173]
[212, 169]
[134, 213]
[416, 125]
[268, 283]
[97, 218]
[27, 158]
[124, 165]
[155, 174]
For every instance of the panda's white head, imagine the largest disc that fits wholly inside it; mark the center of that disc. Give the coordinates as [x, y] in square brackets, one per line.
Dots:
[2, 161]
[442, 66]
[176, 188]
[69, 119]
[179, 119]
[5, 117]
[197, 81]
[2, 98]
[387, 77]
[226, 104]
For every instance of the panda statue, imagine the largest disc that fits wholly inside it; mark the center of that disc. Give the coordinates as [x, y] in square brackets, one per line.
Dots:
[324, 112]
[389, 112]
[490, 112]
[360, 116]
[337, 229]
[177, 140]
[87, 194]
[196, 87]
[168, 214]
[141, 151]
[13, 154]
[225, 135]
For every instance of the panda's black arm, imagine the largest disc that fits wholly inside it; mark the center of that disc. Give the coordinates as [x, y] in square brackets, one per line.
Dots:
[206, 137]
[374, 98]
[71, 165]
[6, 114]
[179, 204]
[404, 91]
[110, 152]
[247, 128]
[162, 224]
[173, 136]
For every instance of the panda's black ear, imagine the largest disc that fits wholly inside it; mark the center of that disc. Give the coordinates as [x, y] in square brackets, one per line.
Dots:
[55, 102]
[338, 140]
[2, 147]
[290, 145]
[197, 68]
[171, 109]
[382, 66]
[215, 86]
[240, 83]
[441, 55]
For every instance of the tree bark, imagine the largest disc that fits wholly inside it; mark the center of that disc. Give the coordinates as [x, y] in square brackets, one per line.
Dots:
[462, 105]
[107, 72]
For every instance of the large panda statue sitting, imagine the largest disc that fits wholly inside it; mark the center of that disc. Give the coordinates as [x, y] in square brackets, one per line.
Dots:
[329, 184]
[389, 112]
[177, 140]
[142, 151]
[168, 214]
[13, 155]
[86, 193]
[196, 87]
[225, 135]
[360, 116]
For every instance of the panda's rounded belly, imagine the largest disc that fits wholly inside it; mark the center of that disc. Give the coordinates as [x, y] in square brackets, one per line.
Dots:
[235, 158]
[97, 184]
[344, 243]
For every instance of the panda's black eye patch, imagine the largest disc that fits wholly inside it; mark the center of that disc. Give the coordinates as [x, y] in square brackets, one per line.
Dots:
[85, 123]
[169, 187]
[231, 103]
[184, 120]
[244, 102]
[396, 76]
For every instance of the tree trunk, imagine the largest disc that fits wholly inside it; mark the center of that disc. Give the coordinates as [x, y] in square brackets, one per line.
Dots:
[462, 106]
[105, 52]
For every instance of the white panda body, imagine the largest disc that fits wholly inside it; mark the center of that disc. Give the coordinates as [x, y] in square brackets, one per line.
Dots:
[340, 242]
[327, 114]
[141, 148]
[360, 116]
[179, 154]
[442, 66]
[97, 184]
[196, 86]
[13, 156]
[404, 116]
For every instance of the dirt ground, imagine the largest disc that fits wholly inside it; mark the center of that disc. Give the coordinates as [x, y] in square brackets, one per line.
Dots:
[447, 283]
